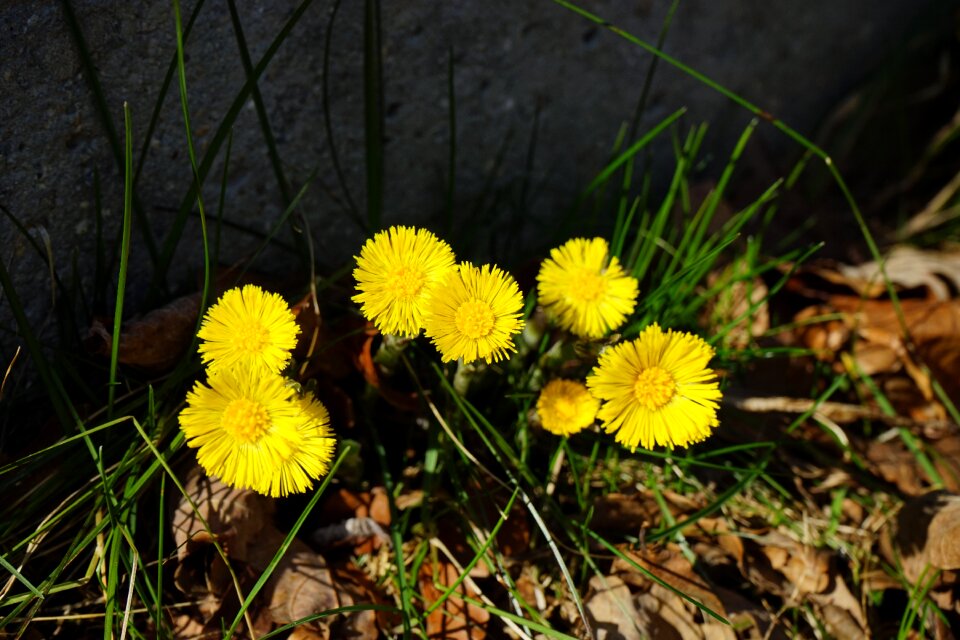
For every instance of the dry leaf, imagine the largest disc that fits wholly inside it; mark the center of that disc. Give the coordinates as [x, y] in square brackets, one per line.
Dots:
[928, 533]
[870, 330]
[611, 610]
[807, 569]
[842, 612]
[895, 463]
[155, 341]
[235, 516]
[455, 619]
[748, 617]
[662, 610]
[624, 513]
[301, 584]
[907, 267]
[345, 505]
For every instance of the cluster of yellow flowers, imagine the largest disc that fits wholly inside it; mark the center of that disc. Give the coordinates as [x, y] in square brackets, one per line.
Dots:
[409, 281]
[250, 426]
[654, 390]
[253, 429]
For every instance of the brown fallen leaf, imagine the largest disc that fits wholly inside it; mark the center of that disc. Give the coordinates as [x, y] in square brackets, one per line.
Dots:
[748, 617]
[235, 516]
[155, 341]
[928, 534]
[907, 267]
[870, 331]
[892, 461]
[455, 619]
[807, 569]
[629, 513]
[946, 460]
[934, 273]
[611, 610]
[842, 612]
[236, 519]
[301, 584]
[663, 608]
[345, 504]
[619, 512]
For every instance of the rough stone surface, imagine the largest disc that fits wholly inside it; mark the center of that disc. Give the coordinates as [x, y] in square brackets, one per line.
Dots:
[516, 63]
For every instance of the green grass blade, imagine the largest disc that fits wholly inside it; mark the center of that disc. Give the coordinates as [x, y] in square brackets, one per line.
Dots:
[476, 558]
[20, 577]
[124, 255]
[545, 630]
[213, 148]
[197, 179]
[646, 240]
[631, 151]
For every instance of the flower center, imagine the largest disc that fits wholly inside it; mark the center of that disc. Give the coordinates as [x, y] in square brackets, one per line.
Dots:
[475, 319]
[587, 286]
[654, 388]
[565, 408]
[245, 420]
[406, 282]
[252, 337]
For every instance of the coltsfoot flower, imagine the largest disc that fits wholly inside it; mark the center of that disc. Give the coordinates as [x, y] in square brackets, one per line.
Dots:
[253, 432]
[585, 289]
[657, 389]
[396, 272]
[566, 407]
[248, 329]
[474, 314]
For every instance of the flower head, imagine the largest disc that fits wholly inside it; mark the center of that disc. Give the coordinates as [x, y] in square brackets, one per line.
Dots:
[566, 407]
[657, 389]
[253, 432]
[585, 289]
[248, 328]
[310, 457]
[474, 314]
[396, 271]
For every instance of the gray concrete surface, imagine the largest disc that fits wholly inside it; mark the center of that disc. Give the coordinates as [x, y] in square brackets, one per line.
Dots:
[513, 59]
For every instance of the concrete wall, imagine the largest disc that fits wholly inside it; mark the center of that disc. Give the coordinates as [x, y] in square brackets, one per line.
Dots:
[512, 58]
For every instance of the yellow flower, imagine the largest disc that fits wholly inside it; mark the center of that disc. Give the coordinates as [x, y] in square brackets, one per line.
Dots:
[474, 314]
[248, 328]
[566, 407]
[585, 289]
[310, 456]
[657, 389]
[396, 272]
[253, 432]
